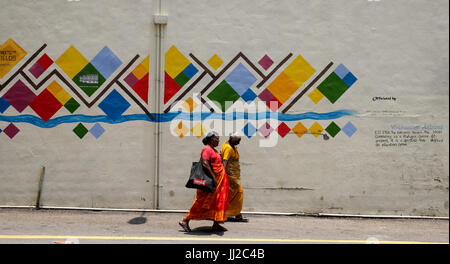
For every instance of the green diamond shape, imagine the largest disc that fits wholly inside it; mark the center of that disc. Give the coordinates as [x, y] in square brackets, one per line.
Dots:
[333, 87]
[223, 93]
[80, 130]
[181, 79]
[333, 129]
[72, 105]
[89, 79]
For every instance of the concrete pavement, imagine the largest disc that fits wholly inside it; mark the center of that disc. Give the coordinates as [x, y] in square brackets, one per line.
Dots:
[18, 226]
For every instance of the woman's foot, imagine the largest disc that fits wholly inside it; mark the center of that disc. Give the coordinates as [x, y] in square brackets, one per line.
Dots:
[185, 225]
[218, 228]
[238, 218]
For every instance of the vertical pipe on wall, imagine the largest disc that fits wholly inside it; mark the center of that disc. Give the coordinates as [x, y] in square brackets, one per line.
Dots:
[159, 21]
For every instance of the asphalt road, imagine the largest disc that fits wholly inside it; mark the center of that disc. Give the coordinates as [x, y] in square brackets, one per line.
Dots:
[28, 226]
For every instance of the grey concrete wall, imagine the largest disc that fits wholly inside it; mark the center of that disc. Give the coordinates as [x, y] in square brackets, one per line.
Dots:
[398, 51]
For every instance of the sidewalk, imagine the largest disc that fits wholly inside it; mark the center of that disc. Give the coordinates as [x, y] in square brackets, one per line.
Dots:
[44, 226]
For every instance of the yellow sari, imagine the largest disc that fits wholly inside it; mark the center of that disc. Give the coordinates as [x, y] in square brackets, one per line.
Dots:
[233, 170]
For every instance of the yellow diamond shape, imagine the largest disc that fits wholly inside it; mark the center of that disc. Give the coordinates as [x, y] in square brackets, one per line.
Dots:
[175, 62]
[215, 62]
[299, 129]
[190, 105]
[71, 62]
[146, 63]
[181, 130]
[140, 71]
[316, 129]
[10, 54]
[198, 130]
[299, 71]
[59, 93]
[316, 96]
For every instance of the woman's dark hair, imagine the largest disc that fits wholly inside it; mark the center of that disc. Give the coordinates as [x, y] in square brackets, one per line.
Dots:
[208, 137]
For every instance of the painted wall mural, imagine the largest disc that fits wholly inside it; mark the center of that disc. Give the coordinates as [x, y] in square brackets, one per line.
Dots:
[56, 89]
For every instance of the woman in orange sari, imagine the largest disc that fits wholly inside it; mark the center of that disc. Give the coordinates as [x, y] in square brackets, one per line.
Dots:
[210, 206]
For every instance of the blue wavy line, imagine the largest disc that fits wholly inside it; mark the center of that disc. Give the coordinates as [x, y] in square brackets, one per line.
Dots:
[167, 117]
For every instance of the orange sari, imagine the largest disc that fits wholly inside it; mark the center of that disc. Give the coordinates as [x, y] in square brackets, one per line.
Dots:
[212, 206]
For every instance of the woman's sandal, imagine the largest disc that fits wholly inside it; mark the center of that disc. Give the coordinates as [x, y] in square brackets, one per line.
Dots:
[237, 219]
[185, 227]
[218, 228]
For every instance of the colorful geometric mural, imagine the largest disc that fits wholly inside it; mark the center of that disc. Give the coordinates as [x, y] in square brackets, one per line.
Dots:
[73, 82]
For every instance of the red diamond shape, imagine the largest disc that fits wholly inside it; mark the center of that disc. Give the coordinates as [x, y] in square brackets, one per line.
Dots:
[141, 88]
[273, 104]
[45, 105]
[170, 89]
[45, 61]
[11, 130]
[283, 129]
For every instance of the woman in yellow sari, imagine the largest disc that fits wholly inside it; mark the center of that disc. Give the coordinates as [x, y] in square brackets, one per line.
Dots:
[230, 156]
[210, 206]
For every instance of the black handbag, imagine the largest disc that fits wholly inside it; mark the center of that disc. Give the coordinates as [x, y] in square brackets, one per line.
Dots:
[200, 178]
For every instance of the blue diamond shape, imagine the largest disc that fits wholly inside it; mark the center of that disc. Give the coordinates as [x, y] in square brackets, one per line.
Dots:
[97, 130]
[240, 79]
[341, 71]
[249, 130]
[3, 105]
[106, 62]
[249, 96]
[190, 71]
[114, 105]
[349, 79]
[349, 129]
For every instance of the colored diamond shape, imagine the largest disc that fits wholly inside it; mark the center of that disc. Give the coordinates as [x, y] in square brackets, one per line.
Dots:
[11, 54]
[265, 95]
[80, 130]
[181, 79]
[249, 130]
[349, 129]
[175, 62]
[45, 61]
[3, 105]
[72, 105]
[11, 130]
[316, 129]
[181, 130]
[58, 92]
[283, 87]
[106, 62]
[190, 105]
[45, 105]
[215, 62]
[240, 79]
[170, 87]
[97, 130]
[274, 104]
[36, 70]
[341, 71]
[333, 87]
[316, 96]
[141, 88]
[146, 63]
[299, 129]
[19, 96]
[190, 71]
[71, 62]
[299, 71]
[198, 130]
[265, 62]
[349, 79]
[283, 129]
[333, 129]
[249, 96]
[131, 80]
[265, 130]
[89, 79]
[140, 71]
[223, 96]
[114, 105]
